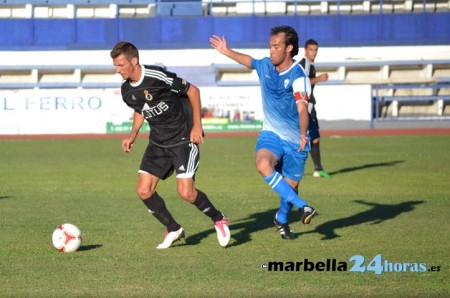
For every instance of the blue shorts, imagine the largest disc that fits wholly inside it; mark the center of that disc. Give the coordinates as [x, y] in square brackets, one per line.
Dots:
[291, 163]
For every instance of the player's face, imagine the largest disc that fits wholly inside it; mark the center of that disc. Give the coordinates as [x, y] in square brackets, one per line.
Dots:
[278, 51]
[126, 68]
[311, 52]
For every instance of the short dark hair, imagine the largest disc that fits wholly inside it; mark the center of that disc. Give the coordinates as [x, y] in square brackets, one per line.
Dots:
[127, 48]
[291, 37]
[311, 42]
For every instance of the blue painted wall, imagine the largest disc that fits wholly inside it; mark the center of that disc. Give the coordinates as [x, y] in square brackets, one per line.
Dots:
[241, 32]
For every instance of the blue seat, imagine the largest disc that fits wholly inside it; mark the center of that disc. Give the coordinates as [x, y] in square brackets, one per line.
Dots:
[187, 9]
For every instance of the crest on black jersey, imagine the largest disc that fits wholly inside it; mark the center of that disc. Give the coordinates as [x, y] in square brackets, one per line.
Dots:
[148, 96]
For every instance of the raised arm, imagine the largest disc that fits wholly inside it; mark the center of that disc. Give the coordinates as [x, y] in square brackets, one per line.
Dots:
[220, 44]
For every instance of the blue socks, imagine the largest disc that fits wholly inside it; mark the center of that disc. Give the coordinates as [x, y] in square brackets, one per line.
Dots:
[283, 211]
[288, 195]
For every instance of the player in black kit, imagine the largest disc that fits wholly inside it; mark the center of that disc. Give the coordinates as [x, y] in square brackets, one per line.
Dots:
[172, 108]
[311, 50]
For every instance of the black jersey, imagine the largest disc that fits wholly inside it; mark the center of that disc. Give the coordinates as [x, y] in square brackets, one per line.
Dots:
[160, 96]
[310, 71]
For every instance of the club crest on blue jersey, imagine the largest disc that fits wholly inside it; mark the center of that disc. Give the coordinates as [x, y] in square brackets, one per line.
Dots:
[286, 83]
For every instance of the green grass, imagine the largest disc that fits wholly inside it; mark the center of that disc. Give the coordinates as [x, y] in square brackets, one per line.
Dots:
[388, 195]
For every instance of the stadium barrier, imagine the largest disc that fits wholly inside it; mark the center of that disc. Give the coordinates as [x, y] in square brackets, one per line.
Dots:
[411, 102]
[21, 74]
[354, 72]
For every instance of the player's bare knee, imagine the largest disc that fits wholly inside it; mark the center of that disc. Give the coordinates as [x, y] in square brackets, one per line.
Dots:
[264, 167]
[144, 193]
[187, 195]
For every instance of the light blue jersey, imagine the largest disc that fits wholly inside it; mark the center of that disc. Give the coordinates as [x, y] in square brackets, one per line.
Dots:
[279, 105]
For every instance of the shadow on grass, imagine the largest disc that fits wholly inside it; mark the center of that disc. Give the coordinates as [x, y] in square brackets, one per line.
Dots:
[375, 215]
[366, 166]
[242, 230]
[89, 247]
[4, 197]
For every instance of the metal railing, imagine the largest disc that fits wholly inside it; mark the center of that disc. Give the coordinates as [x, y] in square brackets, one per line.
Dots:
[387, 107]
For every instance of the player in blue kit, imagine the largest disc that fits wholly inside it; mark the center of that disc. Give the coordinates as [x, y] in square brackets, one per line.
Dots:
[283, 144]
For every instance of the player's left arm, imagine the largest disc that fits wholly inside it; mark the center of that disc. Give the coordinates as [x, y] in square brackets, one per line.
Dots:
[302, 88]
[193, 94]
[220, 44]
[182, 87]
[302, 108]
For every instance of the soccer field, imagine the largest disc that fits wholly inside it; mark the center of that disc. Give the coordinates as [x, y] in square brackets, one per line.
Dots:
[387, 202]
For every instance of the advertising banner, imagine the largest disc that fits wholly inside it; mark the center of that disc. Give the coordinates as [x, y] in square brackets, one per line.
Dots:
[98, 111]
[223, 109]
[53, 111]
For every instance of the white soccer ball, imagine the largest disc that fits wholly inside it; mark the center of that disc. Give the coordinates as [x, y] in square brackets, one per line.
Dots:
[67, 238]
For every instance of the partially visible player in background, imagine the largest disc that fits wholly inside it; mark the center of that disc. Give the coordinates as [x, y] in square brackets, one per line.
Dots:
[172, 107]
[282, 146]
[311, 50]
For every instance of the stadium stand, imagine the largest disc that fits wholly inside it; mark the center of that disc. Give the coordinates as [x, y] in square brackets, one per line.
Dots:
[412, 101]
[412, 85]
[402, 89]
[350, 65]
[47, 24]
[152, 8]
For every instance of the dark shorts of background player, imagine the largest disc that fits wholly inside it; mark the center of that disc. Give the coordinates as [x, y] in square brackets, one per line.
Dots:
[162, 162]
[313, 128]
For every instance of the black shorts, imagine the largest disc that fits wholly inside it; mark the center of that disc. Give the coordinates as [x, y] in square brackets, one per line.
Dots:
[313, 128]
[161, 162]
[313, 115]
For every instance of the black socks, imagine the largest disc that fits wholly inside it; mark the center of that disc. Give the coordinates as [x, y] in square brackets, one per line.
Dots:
[204, 205]
[157, 207]
[315, 154]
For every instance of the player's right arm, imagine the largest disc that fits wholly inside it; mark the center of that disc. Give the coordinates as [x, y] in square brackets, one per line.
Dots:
[220, 44]
[127, 143]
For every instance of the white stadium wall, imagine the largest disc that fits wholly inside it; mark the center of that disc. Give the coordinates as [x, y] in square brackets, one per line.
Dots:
[343, 102]
[98, 111]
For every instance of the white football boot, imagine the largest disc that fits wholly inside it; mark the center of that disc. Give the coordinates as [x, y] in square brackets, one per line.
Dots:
[223, 232]
[170, 238]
